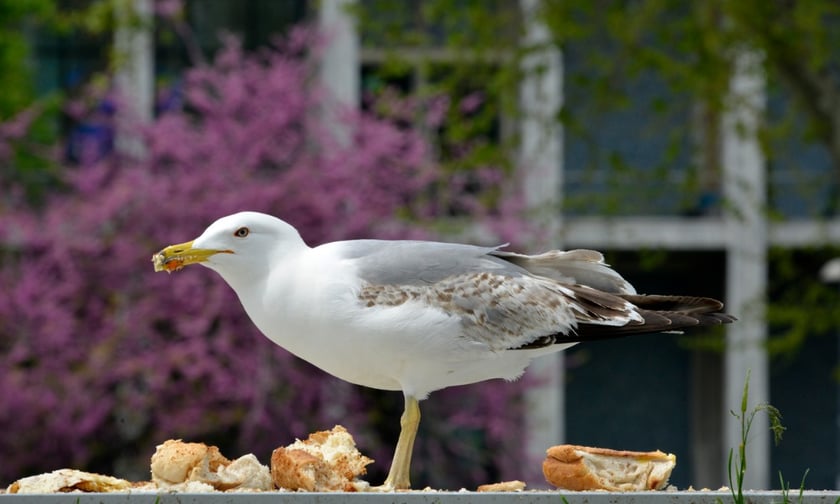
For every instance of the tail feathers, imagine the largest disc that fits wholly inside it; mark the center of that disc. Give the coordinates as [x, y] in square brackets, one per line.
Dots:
[659, 314]
[684, 304]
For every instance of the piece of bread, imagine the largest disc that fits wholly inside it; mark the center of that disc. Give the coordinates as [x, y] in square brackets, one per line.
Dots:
[175, 461]
[585, 468]
[177, 464]
[504, 486]
[327, 461]
[68, 480]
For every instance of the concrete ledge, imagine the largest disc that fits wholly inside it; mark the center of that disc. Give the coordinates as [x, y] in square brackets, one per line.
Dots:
[539, 497]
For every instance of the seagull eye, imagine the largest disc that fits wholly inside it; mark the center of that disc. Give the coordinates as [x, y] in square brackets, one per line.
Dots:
[241, 232]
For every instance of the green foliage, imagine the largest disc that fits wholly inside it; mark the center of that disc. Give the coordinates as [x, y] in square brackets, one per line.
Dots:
[656, 59]
[89, 17]
[477, 24]
[799, 40]
[16, 19]
[681, 42]
[685, 50]
[737, 462]
[24, 144]
[28, 147]
[786, 488]
[802, 306]
[467, 56]
[21, 22]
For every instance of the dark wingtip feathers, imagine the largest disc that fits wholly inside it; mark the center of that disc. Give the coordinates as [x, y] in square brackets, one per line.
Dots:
[660, 314]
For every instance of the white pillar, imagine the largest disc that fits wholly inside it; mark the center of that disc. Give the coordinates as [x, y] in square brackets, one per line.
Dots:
[134, 82]
[541, 95]
[340, 65]
[134, 70]
[746, 282]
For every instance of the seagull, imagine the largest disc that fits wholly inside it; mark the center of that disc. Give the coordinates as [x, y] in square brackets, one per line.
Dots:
[420, 316]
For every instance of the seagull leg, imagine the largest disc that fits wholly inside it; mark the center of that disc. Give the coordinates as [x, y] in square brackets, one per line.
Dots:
[398, 476]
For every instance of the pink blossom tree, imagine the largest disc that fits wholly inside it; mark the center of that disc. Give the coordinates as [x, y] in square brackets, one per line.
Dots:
[102, 359]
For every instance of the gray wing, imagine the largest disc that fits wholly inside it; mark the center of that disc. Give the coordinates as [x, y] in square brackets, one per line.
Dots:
[498, 302]
[419, 262]
[407, 262]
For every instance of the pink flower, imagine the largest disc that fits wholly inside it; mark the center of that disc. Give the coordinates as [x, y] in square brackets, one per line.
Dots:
[103, 354]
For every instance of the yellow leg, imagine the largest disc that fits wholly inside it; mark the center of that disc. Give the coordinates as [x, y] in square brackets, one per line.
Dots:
[398, 476]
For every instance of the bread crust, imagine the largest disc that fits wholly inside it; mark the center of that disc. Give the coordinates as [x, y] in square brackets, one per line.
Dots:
[575, 467]
[504, 486]
[68, 480]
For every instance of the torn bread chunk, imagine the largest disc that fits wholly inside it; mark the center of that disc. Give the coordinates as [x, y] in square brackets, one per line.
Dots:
[177, 465]
[327, 461]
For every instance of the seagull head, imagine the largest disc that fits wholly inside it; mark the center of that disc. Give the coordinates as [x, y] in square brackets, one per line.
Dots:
[234, 246]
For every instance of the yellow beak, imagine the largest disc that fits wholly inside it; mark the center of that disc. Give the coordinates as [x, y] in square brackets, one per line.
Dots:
[175, 257]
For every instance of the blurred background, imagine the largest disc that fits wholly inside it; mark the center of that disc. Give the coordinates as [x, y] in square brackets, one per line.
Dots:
[696, 144]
